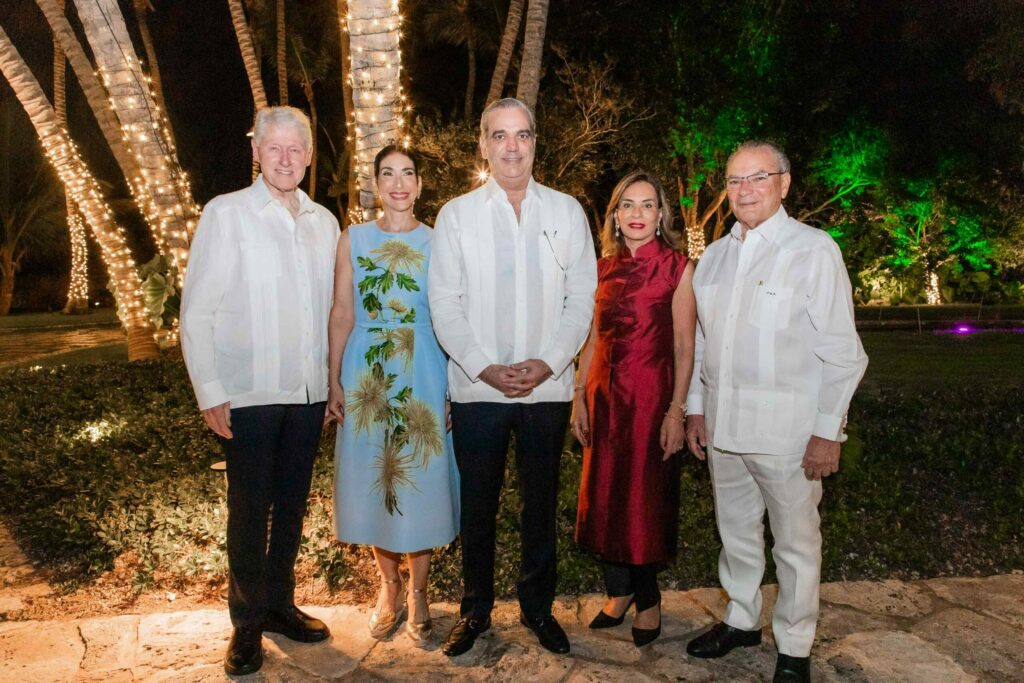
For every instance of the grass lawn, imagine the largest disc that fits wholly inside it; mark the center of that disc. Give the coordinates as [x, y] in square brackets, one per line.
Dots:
[106, 471]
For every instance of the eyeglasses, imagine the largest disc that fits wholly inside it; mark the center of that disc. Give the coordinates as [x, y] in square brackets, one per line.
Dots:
[755, 179]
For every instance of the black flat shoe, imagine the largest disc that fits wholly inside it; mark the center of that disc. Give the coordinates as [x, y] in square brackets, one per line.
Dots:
[245, 651]
[720, 640]
[295, 624]
[548, 632]
[792, 669]
[602, 620]
[463, 635]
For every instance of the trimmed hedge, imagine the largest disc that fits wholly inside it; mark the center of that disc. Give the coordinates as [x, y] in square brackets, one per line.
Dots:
[112, 461]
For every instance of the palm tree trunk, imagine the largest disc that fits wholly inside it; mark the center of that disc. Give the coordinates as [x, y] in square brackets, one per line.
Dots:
[252, 63]
[7, 268]
[79, 183]
[95, 94]
[471, 80]
[142, 8]
[169, 202]
[533, 52]
[282, 56]
[376, 70]
[307, 88]
[508, 44]
[78, 279]
[346, 92]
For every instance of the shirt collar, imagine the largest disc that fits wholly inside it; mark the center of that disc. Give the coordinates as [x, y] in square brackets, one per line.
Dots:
[767, 231]
[260, 196]
[492, 189]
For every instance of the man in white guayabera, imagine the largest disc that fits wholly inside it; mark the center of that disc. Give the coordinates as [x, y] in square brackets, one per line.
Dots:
[777, 361]
[254, 336]
[511, 286]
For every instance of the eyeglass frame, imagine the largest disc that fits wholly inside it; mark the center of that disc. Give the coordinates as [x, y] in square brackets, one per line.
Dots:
[737, 181]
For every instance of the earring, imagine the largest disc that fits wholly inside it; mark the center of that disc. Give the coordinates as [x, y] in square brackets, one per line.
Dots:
[658, 232]
[618, 233]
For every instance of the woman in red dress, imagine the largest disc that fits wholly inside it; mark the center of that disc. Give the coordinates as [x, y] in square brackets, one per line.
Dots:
[629, 411]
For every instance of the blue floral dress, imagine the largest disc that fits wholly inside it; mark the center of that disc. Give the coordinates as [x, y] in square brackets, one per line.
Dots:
[396, 484]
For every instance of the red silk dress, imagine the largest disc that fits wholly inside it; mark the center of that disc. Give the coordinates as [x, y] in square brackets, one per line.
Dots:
[629, 497]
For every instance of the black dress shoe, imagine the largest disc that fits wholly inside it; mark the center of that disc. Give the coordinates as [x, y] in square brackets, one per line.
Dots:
[792, 669]
[720, 640]
[602, 620]
[464, 634]
[245, 651]
[548, 632]
[295, 624]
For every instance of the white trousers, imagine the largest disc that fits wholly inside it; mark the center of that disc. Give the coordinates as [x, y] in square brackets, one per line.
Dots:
[745, 485]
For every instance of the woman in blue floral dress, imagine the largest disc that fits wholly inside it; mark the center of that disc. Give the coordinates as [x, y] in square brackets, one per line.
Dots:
[396, 484]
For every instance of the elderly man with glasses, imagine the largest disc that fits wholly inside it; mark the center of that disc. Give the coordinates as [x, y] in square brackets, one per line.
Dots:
[777, 361]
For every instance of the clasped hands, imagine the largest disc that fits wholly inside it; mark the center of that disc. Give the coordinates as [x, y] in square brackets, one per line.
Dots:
[516, 380]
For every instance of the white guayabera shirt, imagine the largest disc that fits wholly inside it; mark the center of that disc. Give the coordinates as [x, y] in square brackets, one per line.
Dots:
[257, 296]
[777, 354]
[503, 291]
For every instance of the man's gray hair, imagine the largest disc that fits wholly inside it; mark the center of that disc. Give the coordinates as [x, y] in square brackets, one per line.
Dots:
[506, 103]
[282, 116]
[780, 157]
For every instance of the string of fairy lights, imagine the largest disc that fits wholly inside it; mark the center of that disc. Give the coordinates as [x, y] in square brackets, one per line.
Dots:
[380, 106]
[162, 192]
[933, 295]
[695, 244]
[78, 287]
[85, 193]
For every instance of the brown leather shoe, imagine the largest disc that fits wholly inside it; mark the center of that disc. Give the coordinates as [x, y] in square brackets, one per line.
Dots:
[245, 651]
[295, 624]
[720, 640]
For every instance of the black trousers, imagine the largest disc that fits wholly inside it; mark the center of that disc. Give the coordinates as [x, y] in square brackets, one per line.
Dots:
[481, 434]
[269, 468]
[638, 580]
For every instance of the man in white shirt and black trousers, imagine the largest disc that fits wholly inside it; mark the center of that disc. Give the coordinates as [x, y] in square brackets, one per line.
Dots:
[511, 285]
[777, 362]
[254, 336]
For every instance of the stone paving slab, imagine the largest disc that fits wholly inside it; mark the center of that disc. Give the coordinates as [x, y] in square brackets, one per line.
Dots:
[941, 630]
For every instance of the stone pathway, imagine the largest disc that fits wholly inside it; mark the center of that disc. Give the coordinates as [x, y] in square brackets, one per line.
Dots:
[929, 631]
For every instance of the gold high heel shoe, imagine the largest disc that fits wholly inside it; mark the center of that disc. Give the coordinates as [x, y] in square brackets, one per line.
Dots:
[383, 625]
[419, 631]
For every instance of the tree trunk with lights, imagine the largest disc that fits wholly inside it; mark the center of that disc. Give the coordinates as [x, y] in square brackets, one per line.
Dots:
[508, 44]
[282, 55]
[95, 94]
[533, 52]
[142, 8]
[346, 92]
[84, 190]
[168, 199]
[78, 280]
[471, 79]
[377, 93]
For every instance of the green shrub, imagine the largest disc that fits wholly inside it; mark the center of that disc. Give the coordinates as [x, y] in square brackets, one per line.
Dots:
[112, 461]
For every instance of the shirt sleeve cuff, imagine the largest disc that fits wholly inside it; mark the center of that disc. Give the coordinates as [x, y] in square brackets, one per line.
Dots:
[211, 394]
[557, 360]
[828, 427]
[475, 363]
[695, 404]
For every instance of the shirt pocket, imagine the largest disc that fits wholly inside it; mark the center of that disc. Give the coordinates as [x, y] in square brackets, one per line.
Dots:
[261, 261]
[705, 296]
[770, 306]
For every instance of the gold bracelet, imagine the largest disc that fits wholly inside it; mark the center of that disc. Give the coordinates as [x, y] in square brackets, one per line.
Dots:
[581, 387]
[673, 417]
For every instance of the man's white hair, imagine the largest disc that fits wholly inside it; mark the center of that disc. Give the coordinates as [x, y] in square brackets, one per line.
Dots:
[282, 116]
[780, 157]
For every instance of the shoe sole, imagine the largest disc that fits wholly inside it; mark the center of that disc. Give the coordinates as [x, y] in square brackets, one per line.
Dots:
[244, 670]
[315, 638]
[718, 655]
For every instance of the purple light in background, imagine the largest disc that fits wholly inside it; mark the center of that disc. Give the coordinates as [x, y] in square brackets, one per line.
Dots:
[963, 329]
